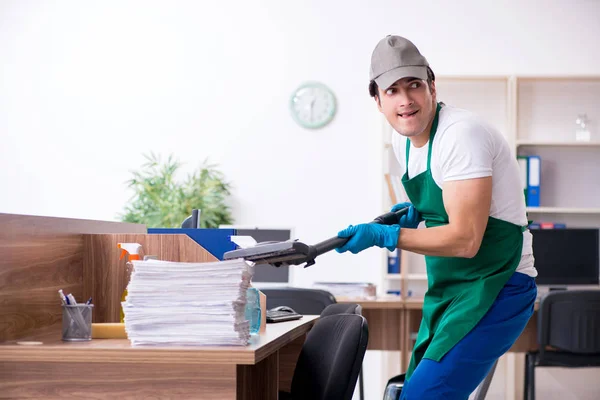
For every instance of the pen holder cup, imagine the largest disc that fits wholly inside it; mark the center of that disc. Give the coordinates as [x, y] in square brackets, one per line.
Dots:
[77, 322]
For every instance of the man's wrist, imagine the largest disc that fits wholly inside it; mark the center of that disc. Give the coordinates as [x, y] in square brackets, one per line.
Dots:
[389, 238]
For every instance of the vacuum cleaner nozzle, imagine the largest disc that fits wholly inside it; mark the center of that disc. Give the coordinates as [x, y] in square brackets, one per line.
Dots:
[295, 252]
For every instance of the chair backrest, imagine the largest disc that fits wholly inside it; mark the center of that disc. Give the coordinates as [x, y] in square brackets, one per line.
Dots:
[303, 301]
[569, 320]
[331, 358]
[342, 308]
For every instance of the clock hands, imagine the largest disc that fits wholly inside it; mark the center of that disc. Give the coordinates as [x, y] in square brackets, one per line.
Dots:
[312, 105]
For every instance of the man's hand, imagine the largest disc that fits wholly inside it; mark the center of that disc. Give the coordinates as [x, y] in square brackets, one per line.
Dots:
[364, 236]
[411, 219]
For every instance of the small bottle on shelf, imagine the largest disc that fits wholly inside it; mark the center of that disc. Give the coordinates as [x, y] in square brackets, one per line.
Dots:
[582, 133]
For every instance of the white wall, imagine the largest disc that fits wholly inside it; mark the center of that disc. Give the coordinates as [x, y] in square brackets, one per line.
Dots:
[86, 88]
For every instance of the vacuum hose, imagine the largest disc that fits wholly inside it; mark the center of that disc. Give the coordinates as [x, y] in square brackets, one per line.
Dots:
[390, 218]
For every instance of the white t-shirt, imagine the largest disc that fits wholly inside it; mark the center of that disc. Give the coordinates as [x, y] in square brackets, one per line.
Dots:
[466, 147]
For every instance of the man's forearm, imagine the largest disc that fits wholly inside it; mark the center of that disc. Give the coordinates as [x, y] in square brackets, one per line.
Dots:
[444, 241]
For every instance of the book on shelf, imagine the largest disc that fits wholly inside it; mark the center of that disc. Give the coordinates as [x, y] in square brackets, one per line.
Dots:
[547, 225]
[530, 172]
[394, 261]
[398, 292]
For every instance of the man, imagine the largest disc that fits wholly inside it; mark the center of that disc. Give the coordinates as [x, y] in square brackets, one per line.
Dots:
[463, 182]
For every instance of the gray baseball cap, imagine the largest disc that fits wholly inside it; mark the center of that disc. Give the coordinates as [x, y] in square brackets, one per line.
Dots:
[395, 58]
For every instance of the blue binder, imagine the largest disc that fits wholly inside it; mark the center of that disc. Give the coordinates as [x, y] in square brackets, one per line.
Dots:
[394, 262]
[524, 175]
[534, 168]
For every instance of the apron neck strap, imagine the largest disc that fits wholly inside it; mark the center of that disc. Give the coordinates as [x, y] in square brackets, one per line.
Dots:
[434, 126]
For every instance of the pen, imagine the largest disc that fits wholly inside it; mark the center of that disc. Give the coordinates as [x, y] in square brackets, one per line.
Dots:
[72, 299]
[89, 301]
[62, 297]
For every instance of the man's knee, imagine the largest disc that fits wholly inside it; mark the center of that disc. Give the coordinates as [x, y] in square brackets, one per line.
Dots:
[438, 381]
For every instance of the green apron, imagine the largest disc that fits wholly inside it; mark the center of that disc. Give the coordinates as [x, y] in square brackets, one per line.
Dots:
[460, 290]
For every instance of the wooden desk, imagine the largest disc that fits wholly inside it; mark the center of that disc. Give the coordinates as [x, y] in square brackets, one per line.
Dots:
[113, 369]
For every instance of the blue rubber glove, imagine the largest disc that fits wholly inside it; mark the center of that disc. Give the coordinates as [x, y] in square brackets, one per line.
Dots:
[364, 236]
[411, 219]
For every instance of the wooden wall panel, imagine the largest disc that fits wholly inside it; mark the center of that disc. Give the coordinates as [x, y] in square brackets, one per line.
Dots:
[39, 256]
[105, 276]
[13, 224]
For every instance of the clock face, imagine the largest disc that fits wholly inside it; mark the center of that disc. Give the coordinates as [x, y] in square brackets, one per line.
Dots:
[313, 105]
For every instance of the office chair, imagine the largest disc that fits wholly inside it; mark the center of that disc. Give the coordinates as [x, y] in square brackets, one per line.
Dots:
[313, 302]
[303, 301]
[330, 359]
[341, 308]
[345, 308]
[568, 334]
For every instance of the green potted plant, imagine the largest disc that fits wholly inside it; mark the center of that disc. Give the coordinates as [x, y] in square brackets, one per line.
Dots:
[161, 201]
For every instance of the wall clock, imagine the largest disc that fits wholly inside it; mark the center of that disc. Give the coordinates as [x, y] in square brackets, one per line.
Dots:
[313, 105]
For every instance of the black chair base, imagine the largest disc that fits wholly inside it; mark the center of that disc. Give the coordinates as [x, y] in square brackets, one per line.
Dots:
[393, 389]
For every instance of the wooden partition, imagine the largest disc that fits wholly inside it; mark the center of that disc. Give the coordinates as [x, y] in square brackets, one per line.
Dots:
[105, 275]
[39, 256]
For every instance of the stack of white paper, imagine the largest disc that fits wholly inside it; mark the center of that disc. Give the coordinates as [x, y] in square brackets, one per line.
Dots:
[172, 303]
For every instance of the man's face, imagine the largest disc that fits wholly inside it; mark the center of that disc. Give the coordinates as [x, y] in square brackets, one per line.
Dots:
[408, 105]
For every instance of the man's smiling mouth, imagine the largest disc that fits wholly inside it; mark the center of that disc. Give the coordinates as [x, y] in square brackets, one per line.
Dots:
[408, 114]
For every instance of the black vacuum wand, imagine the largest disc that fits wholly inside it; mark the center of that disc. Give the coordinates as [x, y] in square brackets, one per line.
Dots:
[295, 253]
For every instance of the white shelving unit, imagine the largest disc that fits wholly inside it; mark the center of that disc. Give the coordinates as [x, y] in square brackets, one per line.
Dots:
[546, 110]
[556, 144]
[537, 116]
[562, 210]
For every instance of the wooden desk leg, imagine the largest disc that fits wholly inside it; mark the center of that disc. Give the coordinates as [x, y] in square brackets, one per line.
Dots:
[412, 322]
[401, 340]
[259, 381]
[407, 328]
[288, 358]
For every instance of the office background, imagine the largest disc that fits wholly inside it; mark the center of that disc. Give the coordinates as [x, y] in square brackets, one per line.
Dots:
[86, 88]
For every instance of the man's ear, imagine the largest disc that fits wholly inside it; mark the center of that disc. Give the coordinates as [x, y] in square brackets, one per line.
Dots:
[378, 104]
[433, 90]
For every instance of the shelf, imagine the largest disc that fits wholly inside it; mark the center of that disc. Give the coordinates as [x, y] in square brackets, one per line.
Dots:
[541, 78]
[558, 144]
[562, 210]
[471, 78]
[414, 277]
